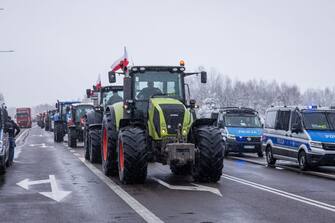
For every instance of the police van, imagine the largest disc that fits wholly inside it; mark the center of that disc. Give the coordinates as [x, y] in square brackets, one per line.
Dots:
[304, 135]
[241, 129]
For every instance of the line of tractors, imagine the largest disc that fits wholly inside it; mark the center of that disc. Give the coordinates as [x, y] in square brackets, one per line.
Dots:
[149, 118]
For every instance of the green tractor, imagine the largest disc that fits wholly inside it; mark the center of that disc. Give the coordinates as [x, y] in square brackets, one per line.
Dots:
[156, 123]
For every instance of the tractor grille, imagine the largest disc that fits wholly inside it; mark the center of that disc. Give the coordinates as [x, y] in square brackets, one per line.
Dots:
[329, 146]
[173, 115]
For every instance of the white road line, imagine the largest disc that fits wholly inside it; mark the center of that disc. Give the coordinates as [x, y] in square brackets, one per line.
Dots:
[76, 154]
[282, 193]
[145, 213]
[281, 167]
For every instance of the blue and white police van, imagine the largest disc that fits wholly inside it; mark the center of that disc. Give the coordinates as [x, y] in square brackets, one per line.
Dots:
[241, 129]
[305, 135]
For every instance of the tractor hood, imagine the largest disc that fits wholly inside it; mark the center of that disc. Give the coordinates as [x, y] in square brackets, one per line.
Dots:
[167, 114]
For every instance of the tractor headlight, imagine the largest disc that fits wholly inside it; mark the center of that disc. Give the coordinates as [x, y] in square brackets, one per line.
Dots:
[230, 136]
[184, 132]
[163, 131]
[316, 144]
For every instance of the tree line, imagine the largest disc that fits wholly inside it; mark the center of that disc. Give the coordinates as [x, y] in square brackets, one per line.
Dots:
[222, 91]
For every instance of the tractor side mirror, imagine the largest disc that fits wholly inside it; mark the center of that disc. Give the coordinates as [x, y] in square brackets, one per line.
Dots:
[111, 77]
[203, 77]
[88, 93]
[56, 105]
[192, 103]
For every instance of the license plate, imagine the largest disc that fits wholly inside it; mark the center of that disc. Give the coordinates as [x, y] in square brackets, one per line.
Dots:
[249, 147]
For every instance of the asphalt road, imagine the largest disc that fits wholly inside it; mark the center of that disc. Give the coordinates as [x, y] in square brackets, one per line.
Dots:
[52, 183]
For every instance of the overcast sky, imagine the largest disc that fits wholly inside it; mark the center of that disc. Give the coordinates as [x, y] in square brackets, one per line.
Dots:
[62, 45]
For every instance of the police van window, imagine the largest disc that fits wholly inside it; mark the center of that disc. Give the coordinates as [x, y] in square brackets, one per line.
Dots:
[283, 120]
[331, 118]
[295, 118]
[270, 119]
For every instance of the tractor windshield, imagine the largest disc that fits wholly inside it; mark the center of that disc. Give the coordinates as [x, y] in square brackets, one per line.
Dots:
[158, 83]
[81, 111]
[112, 97]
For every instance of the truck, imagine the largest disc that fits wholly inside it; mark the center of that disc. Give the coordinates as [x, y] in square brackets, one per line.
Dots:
[23, 117]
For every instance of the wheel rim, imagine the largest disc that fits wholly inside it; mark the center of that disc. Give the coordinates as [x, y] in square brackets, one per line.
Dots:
[121, 156]
[269, 155]
[105, 144]
[302, 160]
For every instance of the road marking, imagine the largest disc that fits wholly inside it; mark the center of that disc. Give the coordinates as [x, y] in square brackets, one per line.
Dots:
[26, 183]
[282, 166]
[55, 193]
[18, 149]
[145, 213]
[281, 193]
[195, 187]
[76, 154]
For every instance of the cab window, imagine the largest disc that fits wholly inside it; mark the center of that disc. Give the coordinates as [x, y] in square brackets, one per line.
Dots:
[295, 119]
[270, 119]
[283, 120]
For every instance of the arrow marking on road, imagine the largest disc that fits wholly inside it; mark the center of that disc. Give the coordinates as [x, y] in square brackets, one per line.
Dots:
[26, 183]
[195, 187]
[42, 145]
[55, 193]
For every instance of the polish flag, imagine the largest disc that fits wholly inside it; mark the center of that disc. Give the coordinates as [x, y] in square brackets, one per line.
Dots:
[121, 63]
[98, 84]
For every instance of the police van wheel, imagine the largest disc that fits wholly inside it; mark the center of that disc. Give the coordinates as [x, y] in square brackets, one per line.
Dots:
[269, 157]
[302, 159]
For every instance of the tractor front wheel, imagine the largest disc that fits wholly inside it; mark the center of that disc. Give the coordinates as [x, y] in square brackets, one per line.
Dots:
[94, 146]
[209, 159]
[108, 147]
[72, 140]
[58, 132]
[132, 155]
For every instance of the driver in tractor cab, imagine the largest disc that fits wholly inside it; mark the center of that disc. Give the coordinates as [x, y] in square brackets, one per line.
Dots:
[149, 91]
[115, 98]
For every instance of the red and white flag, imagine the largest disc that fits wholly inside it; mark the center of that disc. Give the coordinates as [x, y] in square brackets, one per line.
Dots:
[98, 84]
[121, 63]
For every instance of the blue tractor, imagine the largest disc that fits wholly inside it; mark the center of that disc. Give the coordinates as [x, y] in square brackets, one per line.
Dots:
[60, 119]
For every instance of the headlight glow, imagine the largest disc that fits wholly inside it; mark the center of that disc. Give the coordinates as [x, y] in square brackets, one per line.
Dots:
[230, 136]
[315, 144]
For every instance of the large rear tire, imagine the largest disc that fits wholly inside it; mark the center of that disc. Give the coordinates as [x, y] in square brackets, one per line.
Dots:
[209, 160]
[132, 155]
[87, 155]
[72, 139]
[95, 146]
[58, 132]
[108, 147]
